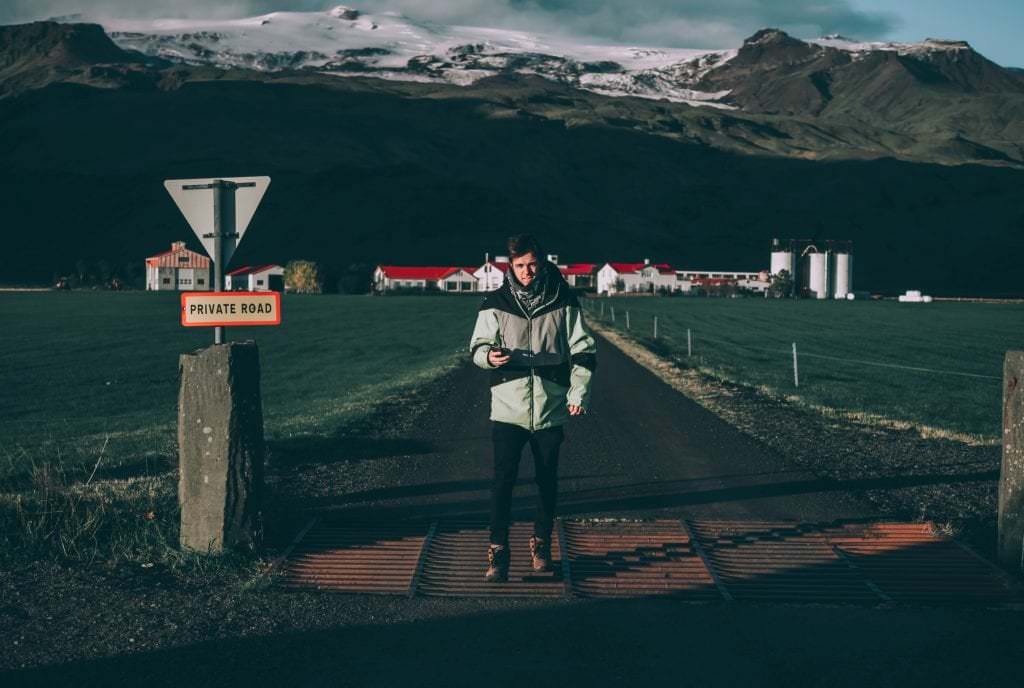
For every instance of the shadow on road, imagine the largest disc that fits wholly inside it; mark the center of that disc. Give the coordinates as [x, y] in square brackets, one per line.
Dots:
[438, 488]
[590, 643]
[641, 499]
[318, 449]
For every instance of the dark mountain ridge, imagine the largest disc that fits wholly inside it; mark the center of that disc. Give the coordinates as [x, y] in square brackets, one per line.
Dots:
[38, 54]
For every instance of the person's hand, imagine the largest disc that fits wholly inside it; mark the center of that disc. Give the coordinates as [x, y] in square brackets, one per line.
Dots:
[497, 359]
[575, 410]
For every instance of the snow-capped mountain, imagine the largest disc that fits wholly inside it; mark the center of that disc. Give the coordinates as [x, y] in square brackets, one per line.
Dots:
[861, 48]
[346, 42]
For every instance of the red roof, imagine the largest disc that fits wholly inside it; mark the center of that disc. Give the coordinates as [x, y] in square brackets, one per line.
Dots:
[663, 268]
[432, 273]
[247, 269]
[171, 259]
[578, 269]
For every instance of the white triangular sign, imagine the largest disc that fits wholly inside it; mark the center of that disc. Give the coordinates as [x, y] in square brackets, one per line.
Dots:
[194, 198]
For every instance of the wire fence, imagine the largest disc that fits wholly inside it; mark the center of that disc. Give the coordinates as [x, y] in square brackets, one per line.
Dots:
[806, 366]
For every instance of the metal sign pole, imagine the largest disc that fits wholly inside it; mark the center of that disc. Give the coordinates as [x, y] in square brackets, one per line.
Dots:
[220, 190]
[223, 219]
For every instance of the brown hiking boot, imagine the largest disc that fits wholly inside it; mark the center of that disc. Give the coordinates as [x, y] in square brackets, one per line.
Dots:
[497, 564]
[540, 551]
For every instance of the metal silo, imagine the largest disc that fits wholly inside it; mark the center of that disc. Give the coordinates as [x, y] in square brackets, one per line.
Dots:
[782, 258]
[818, 282]
[843, 282]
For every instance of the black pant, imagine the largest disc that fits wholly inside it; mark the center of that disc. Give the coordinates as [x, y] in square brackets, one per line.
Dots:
[509, 441]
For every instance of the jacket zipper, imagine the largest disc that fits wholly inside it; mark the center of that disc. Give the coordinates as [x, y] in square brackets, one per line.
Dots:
[529, 335]
[529, 338]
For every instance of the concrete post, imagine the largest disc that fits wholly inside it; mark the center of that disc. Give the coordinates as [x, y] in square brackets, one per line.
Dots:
[1011, 477]
[220, 448]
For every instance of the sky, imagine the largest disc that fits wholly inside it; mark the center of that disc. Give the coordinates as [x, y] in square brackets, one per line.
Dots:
[993, 27]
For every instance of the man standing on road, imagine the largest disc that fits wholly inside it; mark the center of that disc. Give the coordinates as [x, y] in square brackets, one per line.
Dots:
[530, 334]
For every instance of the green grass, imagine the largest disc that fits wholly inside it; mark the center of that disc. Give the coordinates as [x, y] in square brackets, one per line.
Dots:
[88, 389]
[93, 376]
[750, 341]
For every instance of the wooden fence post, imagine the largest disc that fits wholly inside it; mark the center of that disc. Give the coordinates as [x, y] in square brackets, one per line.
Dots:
[796, 369]
[1011, 475]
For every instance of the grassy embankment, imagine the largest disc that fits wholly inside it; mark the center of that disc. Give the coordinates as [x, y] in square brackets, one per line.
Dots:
[855, 358]
[89, 383]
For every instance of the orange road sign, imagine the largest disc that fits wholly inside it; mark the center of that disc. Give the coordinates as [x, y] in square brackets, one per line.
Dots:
[230, 308]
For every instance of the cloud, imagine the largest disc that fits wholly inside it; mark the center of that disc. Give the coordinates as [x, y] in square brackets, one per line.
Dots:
[671, 23]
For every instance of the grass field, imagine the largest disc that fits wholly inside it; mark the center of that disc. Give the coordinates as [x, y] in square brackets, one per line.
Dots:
[857, 357]
[86, 374]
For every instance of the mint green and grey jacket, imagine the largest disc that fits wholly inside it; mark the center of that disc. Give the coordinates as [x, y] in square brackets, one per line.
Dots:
[553, 357]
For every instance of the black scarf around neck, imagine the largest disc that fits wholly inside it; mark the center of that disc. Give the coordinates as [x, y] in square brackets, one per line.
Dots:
[541, 290]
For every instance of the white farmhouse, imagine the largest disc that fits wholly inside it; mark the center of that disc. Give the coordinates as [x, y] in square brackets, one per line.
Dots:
[446, 278]
[491, 274]
[615, 278]
[178, 270]
[258, 278]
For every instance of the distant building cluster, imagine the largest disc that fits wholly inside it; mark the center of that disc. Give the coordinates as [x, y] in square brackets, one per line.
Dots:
[819, 270]
[180, 269]
[610, 278]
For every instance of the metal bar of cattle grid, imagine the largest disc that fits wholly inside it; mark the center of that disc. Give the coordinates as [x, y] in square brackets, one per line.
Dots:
[563, 552]
[699, 549]
[276, 566]
[1009, 581]
[423, 557]
[856, 569]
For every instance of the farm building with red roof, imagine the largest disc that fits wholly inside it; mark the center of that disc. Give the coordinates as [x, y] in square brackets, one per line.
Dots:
[178, 269]
[444, 278]
[255, 278]
[579, 275]
[643, 277]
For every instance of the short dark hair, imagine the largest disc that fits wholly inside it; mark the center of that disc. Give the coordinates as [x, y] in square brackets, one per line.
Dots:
[521, 244]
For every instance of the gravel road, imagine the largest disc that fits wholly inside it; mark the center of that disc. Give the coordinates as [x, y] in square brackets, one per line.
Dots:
[644, 450]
